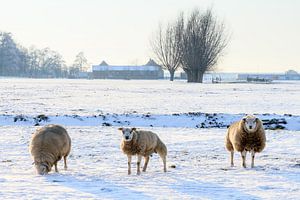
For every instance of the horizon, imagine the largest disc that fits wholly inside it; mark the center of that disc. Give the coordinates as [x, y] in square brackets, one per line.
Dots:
[264, 35]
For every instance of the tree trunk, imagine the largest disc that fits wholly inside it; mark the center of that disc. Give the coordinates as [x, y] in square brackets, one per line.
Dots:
[189, 76]
[192, 76]
[195, 76]
[200, 77]
[172, 73]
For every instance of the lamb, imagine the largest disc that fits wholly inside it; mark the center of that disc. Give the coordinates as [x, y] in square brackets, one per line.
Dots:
[142, 143]
[246, 135]
[48, 145]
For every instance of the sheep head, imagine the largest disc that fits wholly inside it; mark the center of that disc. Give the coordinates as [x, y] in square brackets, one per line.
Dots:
[42, 168]
[127, 133]
[250, 123]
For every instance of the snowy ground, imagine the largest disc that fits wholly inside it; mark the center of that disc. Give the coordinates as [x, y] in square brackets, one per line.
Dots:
[98, 170]
[92, 110]
[182, 120]
[93, 97]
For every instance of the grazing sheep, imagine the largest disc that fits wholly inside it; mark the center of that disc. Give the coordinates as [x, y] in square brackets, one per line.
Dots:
[142, 143]
[48, 145]
[246, 135]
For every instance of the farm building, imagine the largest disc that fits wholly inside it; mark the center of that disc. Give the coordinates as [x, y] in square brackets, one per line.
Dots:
[240, 77]
[288, 75]
[150, 70]
[292, 75]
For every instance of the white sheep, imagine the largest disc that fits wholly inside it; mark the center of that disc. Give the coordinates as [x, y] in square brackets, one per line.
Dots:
[48, 145]
[142, 143]
[248, 134]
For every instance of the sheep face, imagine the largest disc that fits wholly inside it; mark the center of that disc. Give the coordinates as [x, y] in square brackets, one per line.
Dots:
[250, 123]
[41, 168]
[127, 133]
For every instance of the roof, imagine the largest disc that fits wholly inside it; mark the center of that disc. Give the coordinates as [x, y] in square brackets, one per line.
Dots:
[291, 72]
[151, 63]
[103, 63]
[125, 68]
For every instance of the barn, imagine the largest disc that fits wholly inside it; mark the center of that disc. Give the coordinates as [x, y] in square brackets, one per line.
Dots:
[151, 70]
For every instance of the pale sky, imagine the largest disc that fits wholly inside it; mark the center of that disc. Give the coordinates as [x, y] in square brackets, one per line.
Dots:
[265, 33]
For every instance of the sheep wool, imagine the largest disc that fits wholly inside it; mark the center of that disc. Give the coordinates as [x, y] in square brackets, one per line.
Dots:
[246, 135]
[48, 145]
[142, 143]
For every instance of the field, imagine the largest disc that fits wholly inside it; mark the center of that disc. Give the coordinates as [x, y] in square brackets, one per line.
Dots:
[92, 110]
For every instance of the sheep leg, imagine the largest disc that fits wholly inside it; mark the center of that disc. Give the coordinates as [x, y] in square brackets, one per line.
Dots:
[138, 164]
[165, 163]
[243, 153]
[252, 155]
[231, 158]
[65, 163]
[129, 164]
[146, 163]
[164, 159]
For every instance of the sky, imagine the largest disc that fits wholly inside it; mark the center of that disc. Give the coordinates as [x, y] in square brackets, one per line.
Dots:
[265, 34]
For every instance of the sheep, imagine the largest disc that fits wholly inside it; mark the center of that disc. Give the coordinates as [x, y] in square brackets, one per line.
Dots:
[48, 145]
[248, 134]
[142, 143]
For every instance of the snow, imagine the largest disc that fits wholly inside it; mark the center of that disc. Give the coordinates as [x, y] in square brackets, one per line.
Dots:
[98, 169]
[92, 110]
[88, 97]
[183, 120]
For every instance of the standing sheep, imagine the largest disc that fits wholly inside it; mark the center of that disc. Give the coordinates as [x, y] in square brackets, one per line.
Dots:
[142, 143]
[248, 134]
[48, 145]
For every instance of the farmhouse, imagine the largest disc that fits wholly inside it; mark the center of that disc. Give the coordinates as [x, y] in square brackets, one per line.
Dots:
[150, 70]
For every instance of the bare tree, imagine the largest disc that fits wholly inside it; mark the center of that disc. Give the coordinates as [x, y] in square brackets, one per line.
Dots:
[166, 45]
[10, 55]
[80, 64]
[204, 40]
[16, 60]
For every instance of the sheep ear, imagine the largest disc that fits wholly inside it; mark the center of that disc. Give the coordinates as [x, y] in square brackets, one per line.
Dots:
[133, 129]
[120, 129]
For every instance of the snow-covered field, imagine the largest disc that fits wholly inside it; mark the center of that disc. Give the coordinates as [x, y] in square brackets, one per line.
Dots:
[98, 170]
[87, 97]
[92, 110]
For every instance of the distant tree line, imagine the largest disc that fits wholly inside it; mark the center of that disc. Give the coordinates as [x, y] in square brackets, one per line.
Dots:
[16, 60]
[194, 43]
